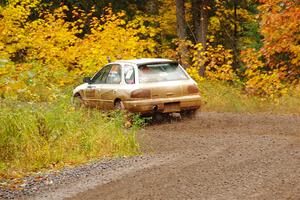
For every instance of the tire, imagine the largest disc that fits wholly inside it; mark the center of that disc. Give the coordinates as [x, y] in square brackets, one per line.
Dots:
[188, 114]
[158, 118]
[119, 105]
[78, 102]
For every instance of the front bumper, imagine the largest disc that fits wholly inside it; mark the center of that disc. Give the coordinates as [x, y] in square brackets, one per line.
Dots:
[144, 106]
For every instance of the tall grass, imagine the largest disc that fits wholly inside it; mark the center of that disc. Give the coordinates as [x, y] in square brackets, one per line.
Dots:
[37, 136]
[224, 97]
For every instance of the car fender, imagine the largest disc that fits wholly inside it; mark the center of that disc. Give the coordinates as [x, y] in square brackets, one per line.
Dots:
[78, 90]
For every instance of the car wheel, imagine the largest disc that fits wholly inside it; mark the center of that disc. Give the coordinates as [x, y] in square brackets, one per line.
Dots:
[160, 117]
[119, 105]
[188, 114]
[78, 102]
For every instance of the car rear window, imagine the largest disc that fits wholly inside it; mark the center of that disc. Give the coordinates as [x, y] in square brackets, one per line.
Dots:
[157, 72]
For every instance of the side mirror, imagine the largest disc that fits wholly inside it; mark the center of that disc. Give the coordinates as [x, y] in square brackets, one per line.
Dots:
[87, 80]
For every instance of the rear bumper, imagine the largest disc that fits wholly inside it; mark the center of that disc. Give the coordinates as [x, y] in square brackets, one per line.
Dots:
[147, 105]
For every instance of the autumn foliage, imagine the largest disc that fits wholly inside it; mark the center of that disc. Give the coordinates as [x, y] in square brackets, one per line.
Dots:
[275, 67]
[47, 54]
[247, 59]
[44, 49]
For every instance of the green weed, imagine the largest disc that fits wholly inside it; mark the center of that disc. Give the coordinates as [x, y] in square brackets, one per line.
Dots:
[42, 136]
[224, 97]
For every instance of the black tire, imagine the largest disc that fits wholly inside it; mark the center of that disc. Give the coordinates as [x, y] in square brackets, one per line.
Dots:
[188, 114]
[119, 105]
[158, 118]
[78, 102]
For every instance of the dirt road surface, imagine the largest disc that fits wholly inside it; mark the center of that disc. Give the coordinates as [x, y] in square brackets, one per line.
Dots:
[215, 156]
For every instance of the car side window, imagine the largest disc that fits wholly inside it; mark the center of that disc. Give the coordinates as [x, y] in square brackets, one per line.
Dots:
[101, 76]
[129, 74]
[114, 75]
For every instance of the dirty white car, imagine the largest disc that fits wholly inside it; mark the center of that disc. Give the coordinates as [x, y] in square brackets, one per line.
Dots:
[142, 86]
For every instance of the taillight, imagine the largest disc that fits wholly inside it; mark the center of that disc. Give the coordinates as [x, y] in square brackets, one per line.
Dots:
[192, 89]
[141, 93]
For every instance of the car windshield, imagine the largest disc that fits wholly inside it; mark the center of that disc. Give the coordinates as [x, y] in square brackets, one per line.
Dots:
[156, 72]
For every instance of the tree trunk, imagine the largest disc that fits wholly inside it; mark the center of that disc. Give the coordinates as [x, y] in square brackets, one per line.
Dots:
[196, 20]
[148, 6]
[235, 36]
[3, 2]
[181, 33]
[181, 22]
[204, 21]
[200, 22]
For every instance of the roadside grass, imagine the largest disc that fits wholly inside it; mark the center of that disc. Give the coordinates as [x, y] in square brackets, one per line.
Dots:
[40, 136]
[224, 97]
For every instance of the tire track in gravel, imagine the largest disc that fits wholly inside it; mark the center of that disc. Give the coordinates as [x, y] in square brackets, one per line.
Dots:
[219, 156]
[215, 156]
[97, 177]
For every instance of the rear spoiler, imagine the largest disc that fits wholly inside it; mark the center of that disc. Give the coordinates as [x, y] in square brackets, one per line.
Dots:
[157, 63]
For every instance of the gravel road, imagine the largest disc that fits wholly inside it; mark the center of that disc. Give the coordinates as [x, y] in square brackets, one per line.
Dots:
[215, 156]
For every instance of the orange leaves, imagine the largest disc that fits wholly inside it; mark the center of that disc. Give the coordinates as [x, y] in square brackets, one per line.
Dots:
[280, 25]
[275, 67]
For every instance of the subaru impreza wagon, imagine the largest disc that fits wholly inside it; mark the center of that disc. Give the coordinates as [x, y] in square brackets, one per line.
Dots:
[142, 86]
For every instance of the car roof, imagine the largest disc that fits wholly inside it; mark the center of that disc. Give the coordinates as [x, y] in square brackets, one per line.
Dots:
[144, 61]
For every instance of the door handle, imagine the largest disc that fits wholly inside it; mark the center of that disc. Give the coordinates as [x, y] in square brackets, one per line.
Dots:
[91, 87]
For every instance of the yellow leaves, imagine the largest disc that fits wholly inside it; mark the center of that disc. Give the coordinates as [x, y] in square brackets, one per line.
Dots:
[199, 47]
[295, 49]
[261, 82]
[116, 40]
[53, 49]
[217, 61]
[51, 56]
[214, 25]
[65, 8]
[194, 73]
[266, 85]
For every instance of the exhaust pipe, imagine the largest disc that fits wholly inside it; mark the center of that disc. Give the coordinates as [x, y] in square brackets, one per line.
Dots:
[155, 108]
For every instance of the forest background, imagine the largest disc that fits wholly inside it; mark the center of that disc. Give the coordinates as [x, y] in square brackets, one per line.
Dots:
[244, 54]
[47, 46]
